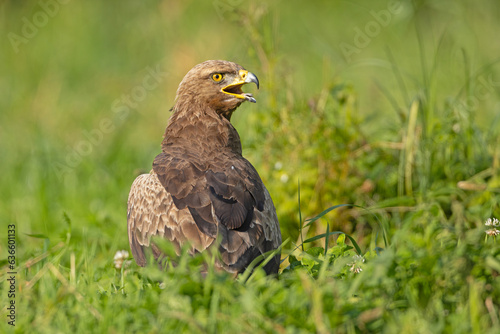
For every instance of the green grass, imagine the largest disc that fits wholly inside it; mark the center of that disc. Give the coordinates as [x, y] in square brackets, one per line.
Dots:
[396, 150]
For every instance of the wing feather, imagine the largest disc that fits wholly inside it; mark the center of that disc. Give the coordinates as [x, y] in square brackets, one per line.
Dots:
[229, 200]
[151, 212]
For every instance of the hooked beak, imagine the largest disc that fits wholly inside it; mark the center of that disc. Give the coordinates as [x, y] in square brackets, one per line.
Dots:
[234, 88]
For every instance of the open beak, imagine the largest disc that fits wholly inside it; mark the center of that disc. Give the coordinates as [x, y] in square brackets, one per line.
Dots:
[234, 88]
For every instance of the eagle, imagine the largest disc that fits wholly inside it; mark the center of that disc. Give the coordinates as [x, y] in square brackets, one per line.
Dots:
[201, 190]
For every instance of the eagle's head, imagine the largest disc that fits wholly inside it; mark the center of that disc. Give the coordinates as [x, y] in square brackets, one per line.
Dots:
[215, 84]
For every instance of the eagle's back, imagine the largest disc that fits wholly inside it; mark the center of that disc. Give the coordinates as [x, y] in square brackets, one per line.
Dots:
[152, 212]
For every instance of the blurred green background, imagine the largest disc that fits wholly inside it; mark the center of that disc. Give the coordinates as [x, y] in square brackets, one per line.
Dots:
[65, 66]
[338, 79]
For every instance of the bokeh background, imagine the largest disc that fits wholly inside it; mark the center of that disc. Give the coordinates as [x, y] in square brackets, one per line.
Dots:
[389, 105]
[337, 80]
[78, 124]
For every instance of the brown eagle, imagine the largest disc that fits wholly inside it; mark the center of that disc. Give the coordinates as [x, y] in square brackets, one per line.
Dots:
[201, 189]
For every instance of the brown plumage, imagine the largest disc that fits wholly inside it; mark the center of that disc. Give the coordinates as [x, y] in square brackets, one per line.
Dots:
[201, 188]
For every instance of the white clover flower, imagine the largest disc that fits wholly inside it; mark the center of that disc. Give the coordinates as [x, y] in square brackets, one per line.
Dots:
[356, 265]
[356, 270]
[120, 259]
[278, 165]
[492, 232]
[492, 222]
[284, 178]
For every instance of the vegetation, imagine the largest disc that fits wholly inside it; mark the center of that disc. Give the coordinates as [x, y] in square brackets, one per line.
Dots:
[376, 131]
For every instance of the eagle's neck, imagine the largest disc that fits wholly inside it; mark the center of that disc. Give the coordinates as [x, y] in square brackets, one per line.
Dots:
[201, 130]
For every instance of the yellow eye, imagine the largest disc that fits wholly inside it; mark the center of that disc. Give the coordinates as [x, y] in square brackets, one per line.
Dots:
[217, 77]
